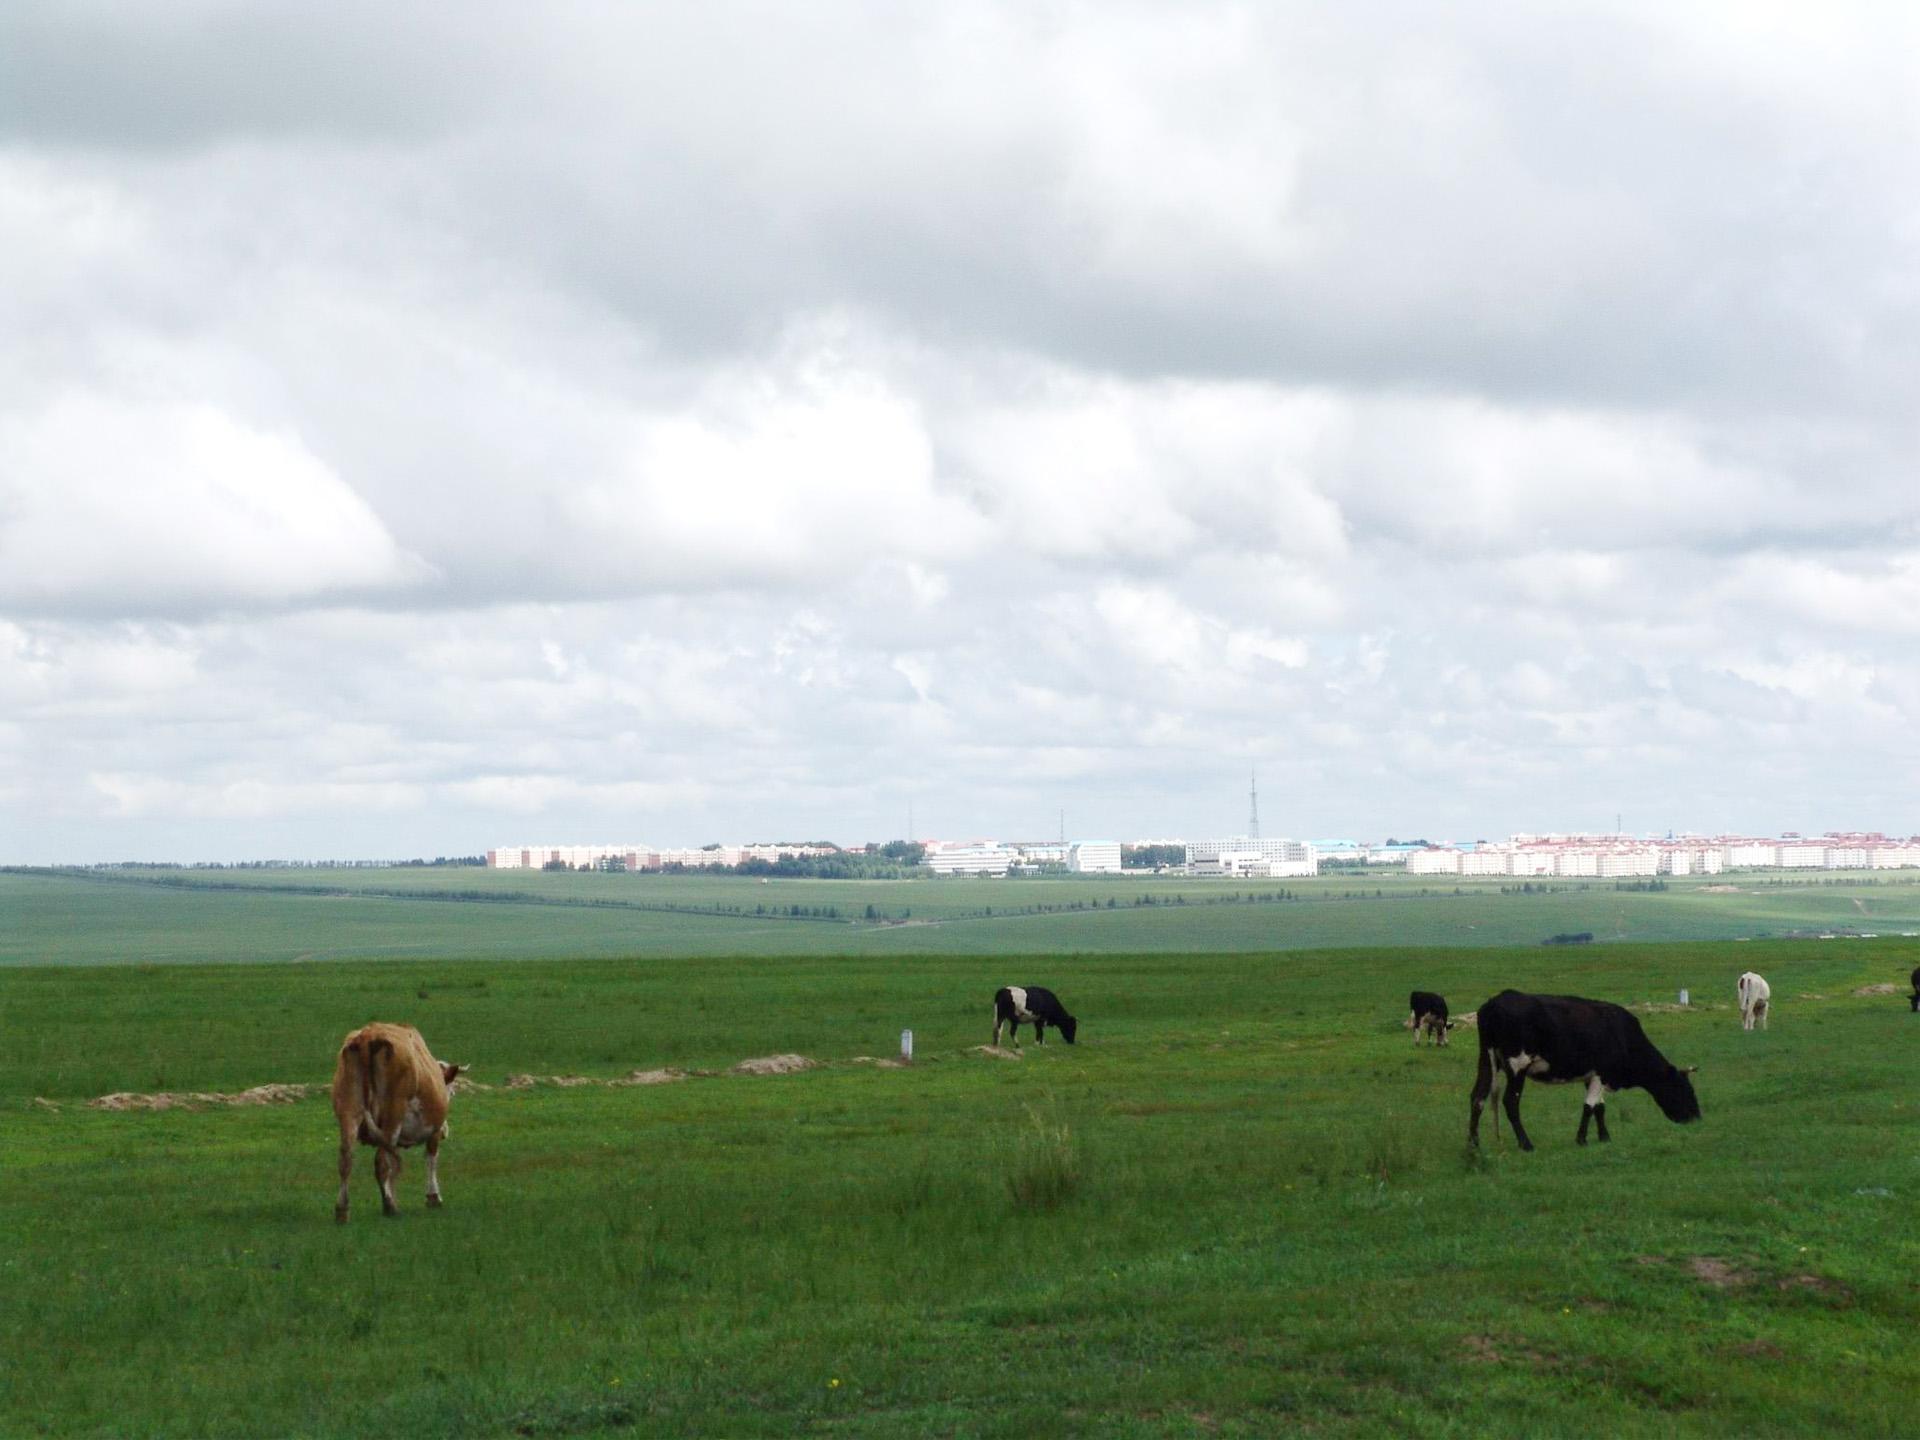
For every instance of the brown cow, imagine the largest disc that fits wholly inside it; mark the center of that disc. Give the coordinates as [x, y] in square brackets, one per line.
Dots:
[389, 1092]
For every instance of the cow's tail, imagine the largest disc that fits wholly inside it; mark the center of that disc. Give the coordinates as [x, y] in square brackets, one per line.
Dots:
[363, 1054]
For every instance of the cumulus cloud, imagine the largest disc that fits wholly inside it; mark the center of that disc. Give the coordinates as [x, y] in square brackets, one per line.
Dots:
[133, 508]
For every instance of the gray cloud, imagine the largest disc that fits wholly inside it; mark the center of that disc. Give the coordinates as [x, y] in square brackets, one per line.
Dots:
[679, 423]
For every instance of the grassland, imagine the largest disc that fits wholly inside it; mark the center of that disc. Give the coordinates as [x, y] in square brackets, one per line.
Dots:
[172, 916]
[1241, 1205]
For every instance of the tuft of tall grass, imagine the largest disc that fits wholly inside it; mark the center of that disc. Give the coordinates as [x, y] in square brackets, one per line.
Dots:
[1046, 1172]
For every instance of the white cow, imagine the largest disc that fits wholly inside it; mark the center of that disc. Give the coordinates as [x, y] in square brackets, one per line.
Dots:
[1754, 998]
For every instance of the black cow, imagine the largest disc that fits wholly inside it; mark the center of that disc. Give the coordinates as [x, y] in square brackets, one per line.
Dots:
[1014, 1003]
[1429, 1016]
[1916, 987]
[1561, 1038]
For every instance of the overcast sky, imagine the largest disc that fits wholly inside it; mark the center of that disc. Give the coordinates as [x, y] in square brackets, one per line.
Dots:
[427, 430]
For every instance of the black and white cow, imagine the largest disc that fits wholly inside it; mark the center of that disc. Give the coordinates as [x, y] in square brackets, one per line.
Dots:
[1040, 1008]
[1916, 987]
[1429, 1016]
[1561, 1039]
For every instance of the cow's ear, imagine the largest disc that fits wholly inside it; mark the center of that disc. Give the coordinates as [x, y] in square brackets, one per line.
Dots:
[451, 1072]
[1690, 1069]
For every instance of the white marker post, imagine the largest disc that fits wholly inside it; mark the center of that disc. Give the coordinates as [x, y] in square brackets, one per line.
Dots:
[906, 1047]
[1683, 998]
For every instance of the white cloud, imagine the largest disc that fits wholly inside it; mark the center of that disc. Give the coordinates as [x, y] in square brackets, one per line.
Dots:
[143, 508]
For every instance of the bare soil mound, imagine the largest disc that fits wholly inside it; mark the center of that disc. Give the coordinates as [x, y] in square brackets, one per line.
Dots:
[997, 1052]
[200, 1100]
[774, 1065]
[1883, 988]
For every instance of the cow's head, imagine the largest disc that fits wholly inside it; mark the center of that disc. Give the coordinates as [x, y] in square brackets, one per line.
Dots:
[451, 1072]
[1068, 1026]
[1672, 1091]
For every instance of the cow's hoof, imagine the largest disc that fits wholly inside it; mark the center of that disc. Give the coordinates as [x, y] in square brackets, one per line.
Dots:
[1526, 1145]
[340, 1216]
[434, 1202]
[1579, 1139]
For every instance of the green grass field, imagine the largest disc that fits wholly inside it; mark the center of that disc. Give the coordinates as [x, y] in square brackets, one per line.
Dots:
[167, 917]
[1242, 1205]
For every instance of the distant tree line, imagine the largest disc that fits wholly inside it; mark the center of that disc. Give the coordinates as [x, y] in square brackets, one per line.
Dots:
[1152, 857]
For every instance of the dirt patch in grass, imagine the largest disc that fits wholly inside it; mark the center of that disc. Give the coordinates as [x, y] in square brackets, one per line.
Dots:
[1649, 1259]
[997, 1052]
[650, 1077]
[1885, 987]
[568, 1082]
[879, 1061]
[200, 1100]
[1493, 1350]
[1816, 1285]
[1716, 1273]
[774, 1065]
[1468, 1021]
[565, 1082]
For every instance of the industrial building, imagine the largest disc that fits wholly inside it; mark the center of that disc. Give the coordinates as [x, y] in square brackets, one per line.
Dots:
[1251, 857]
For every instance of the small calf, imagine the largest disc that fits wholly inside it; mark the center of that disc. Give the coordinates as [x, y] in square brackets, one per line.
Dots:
[1037, 1006]
[1428, 1016]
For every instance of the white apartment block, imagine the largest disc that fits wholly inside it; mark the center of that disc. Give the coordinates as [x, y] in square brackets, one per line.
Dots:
[1619, 864]
[983, 857]
[1614, 857]
[641, 857]
[1094, 857]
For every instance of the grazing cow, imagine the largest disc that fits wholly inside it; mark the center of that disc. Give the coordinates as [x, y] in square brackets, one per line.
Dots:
[1755, 1001]
[389, 1092]
[1429, 1016]
[1559, 1039]
[1916, 988]
[1041, 1008]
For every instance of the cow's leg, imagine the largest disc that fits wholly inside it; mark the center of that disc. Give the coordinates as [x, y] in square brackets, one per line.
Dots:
[386, 1166]
[1482, 1087]
[1765, 1009]
[1013, 1031]
[340, 1206]
[1596, 1102]
[1413, 1019]
[1514, 1086]
[1039, 1032]
[1440, 1032]
[998, 1021]
[433, 1166]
